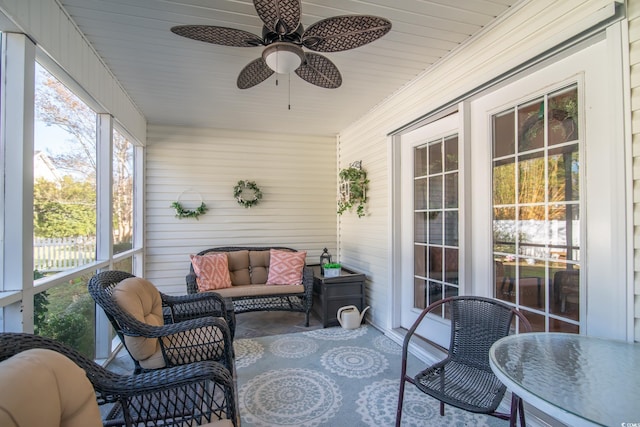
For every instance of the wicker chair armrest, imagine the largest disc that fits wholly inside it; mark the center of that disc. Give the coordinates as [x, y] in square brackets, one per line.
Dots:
[207, 338]
[195, 306]
[151, 331]
[210, 381]
[112, 386]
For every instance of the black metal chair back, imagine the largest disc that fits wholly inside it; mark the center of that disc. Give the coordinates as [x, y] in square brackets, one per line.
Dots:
[464, 379]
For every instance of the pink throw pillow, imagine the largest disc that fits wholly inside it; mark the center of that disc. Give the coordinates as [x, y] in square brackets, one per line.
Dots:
[285, 268]
[212, 271]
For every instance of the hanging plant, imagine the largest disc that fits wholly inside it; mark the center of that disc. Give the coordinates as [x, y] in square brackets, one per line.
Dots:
[353, 189]
[247, 193]
[181, 212]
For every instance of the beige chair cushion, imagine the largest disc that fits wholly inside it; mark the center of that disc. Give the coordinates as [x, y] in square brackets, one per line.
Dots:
[43, 388]
[141, 299]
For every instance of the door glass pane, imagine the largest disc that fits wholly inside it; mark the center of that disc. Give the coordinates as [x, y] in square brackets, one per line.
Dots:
[435, 158]
[451, 153]
[420, 260]
[536, 229]
[531, 179]
[420, 161]
[504, 181]
[504, 141]
[564, 231]
[420, 193]
[531, 126]
[436, 219]
[435, 227]
[451, 228]
[420, 227]
[504, 230]
[563, 116]
[435, 192]
[451, 190]
[564, 173]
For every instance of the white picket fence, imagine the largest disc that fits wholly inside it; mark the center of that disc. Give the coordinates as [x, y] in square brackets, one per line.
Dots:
[57, 254]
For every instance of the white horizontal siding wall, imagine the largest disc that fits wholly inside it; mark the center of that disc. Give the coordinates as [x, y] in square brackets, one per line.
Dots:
[633, 13]
[56, 34]
[296, 174]
[529, 29]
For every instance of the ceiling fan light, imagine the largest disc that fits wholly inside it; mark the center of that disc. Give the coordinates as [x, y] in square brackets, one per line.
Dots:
[283, 58]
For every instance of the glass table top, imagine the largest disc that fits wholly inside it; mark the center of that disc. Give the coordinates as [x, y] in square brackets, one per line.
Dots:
[576, 379]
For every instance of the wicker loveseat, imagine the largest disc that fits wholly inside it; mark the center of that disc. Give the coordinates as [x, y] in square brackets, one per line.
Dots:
[249, 272]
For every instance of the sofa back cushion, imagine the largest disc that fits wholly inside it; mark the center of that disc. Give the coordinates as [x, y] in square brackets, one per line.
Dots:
[286, 268]
[239, 267]
[259, 267]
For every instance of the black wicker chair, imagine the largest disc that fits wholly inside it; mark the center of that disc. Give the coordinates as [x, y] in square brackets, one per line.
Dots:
[464, 378]
[194, 327]
[193, 394]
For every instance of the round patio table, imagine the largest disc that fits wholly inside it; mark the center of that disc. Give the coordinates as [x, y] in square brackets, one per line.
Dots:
[579, 380]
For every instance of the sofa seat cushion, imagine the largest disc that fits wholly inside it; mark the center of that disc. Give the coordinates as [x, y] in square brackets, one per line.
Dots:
[43, 388]
[259, 290]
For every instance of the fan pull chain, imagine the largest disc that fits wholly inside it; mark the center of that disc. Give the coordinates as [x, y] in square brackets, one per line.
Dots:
[289, 91]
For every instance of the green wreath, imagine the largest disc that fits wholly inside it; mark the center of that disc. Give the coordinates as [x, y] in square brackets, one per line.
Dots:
[252, 187]
[181, 212]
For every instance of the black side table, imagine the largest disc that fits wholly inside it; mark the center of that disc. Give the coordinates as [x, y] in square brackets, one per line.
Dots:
[331, 293]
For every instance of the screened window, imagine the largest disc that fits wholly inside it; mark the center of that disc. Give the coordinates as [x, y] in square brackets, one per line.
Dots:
[123, 202]
[64, 211]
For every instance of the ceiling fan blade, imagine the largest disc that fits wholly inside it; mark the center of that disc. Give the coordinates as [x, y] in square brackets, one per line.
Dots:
[320, 71]
[280, 16]
[255, 72]
[344, 32]
[218, 35]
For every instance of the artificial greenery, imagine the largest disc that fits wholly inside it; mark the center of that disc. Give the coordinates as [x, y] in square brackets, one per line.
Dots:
[353, 189]
[332, 265]
[252, 187]
[181, 212]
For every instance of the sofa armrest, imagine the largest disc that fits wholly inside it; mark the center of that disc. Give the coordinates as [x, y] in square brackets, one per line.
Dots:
[307, 281]
[192, 285]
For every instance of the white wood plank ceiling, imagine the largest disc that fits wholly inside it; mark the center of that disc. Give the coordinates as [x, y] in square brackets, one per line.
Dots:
[178, 81]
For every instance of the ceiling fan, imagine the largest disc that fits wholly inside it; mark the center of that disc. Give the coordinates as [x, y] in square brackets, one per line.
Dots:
[284, 37]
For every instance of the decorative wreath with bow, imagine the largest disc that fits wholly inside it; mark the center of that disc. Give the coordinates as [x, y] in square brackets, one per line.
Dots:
[247, 193]
[181, 212]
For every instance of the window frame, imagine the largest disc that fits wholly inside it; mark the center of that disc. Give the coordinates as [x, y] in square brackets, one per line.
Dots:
[19, 55]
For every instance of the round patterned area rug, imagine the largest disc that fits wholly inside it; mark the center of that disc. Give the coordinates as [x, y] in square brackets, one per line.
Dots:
[290, 397]
[334, 377]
